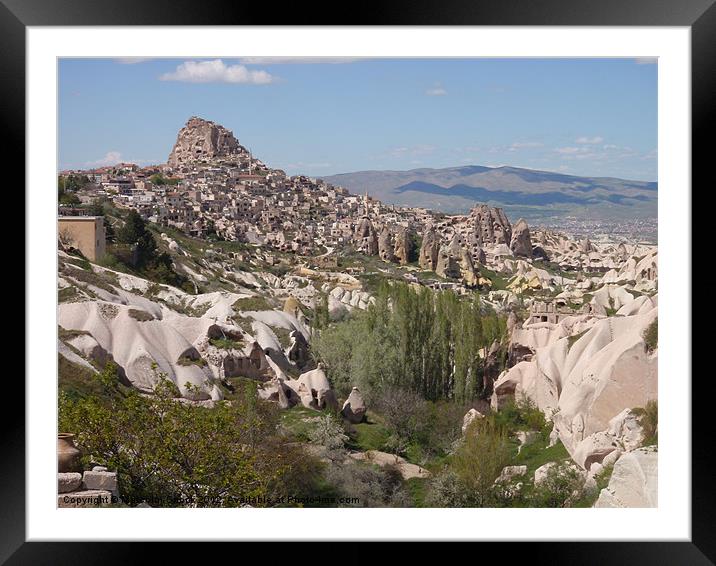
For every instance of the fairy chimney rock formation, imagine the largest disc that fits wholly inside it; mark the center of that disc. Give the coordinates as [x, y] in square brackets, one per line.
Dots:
[428, 257]
[385, 245]
[365, 237]
[521, 244]
[491, 226]
[402, 248]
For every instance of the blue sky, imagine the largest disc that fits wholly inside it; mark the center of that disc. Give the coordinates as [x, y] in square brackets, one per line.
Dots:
[594, 117]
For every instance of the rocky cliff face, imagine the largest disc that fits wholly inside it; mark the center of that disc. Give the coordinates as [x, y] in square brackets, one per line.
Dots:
[200, 140]
[455, 262]
[585, 385]
[491, 226]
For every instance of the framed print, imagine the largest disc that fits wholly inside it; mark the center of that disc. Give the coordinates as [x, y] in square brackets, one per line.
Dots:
[391, 279]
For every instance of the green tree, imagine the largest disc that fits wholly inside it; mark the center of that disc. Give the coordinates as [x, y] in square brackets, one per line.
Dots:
[136, 234]
[469, 480]
[174, 454]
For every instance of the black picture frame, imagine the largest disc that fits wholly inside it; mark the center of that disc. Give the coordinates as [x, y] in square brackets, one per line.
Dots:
[699, 15]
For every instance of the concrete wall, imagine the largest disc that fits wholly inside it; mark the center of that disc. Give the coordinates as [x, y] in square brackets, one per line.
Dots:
[85, 233]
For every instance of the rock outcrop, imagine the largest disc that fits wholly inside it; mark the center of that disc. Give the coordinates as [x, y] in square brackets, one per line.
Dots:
[403, 247]
[354, 408]
[490, 225]
[428, 257]
[385, 245]
[365, 237]
[469, 418]
[201, 140]
[455, 262]
[633, 482]
[586, 386]
[521, 244]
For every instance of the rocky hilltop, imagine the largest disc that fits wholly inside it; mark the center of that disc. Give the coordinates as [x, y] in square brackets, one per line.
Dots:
[201, 140]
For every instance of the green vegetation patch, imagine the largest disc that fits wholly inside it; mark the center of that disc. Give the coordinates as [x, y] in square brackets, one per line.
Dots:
[188, 361]
[539, 453]
[80, 262]
[283, 335]
[369, 435]
[225, 343]
[571, 340]
[648, 417]
[69, 295]
[64, 334]
[89, 278]
[76, 380]
[651, 336]
[499, 283]
[252, 304]
[140, 315]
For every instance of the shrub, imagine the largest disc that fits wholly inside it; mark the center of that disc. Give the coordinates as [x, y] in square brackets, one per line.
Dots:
[561, 487]
[520, 414]
[174, 454]
[405, 415]
[469, 480]
[370, 485]
[140, 315]
[252, 304]
[283, 335]
[224, 343]
[328, 433]
[651, 336]
[187, 361]
[648, 417]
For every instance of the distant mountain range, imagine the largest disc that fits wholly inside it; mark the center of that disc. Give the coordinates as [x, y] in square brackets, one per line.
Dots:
[535, 195]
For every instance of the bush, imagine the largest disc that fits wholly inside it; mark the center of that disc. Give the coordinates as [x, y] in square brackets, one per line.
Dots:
[651, 336]
[469, 479]
[224, 343]
[372, 486]
[405, 416]
[252, 304]
[648, 417]
[173, 454]
[328, 433]
[521, 414]
[188, 361]
[140, 315]
[561, 487]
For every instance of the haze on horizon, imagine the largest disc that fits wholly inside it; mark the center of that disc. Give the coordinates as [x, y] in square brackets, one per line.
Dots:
[588, 117]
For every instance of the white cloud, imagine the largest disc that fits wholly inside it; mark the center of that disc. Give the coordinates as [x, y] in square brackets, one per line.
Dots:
[115, 157]
[437, 90]
[413, 151]
[570, 150]
[217, 71]
[303, 165]
[298, 60]
[588, 140]
[524, 145]
[131, 60]
[110, 158]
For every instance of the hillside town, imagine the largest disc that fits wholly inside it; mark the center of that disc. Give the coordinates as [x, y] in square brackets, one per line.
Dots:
[213, 185]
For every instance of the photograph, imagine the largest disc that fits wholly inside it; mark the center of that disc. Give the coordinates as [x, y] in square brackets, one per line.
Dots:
[357, 282]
